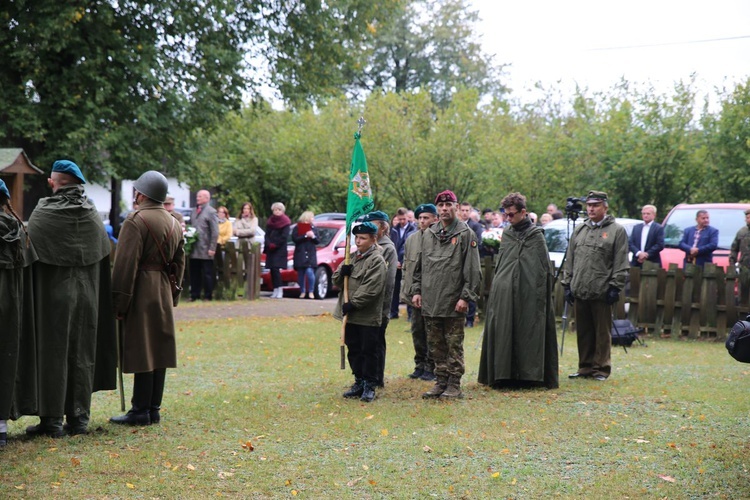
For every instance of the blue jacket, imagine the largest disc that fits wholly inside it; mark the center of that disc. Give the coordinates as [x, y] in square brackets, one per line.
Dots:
[399, 242]
[654, 243]
[709, 240]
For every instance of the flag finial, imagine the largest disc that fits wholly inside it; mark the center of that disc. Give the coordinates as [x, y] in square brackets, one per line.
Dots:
[360, 124]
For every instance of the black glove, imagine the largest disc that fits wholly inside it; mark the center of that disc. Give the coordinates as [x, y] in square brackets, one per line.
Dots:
[347, 307]
[569, 298]
[346, 269]
[613, 295]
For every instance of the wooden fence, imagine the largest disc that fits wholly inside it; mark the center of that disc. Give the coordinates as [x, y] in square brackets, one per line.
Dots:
[237, 272]
[696, 303]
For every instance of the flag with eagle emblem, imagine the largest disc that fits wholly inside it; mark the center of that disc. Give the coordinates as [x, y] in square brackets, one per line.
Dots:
[359, 200]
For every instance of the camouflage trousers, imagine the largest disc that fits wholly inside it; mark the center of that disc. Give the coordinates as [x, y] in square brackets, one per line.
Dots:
[445, 340]
[422, 357]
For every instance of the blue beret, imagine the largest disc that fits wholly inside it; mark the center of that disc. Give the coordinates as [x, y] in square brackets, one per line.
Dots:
[70, 168]
[425, 208]
[376, 215]
[365, 228]
[4, 189]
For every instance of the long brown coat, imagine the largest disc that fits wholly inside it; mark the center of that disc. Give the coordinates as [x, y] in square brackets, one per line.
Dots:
[141, 291]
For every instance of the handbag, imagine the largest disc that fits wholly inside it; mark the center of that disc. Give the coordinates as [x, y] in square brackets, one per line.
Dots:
[170, 267]
[738, 341]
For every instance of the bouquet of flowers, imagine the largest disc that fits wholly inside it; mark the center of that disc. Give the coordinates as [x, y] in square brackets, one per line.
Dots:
[191, 236]
[491, 238]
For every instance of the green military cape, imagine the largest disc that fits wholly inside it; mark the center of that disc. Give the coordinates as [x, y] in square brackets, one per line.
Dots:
[17, 345]
[520, 342]
[75, 328]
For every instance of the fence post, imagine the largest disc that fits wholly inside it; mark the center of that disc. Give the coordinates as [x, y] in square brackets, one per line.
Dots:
[251, 259]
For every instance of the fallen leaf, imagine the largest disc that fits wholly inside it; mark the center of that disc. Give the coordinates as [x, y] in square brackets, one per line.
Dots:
[190, 467]
[294, 493]
[384, 432]
[130, 485]
[647, 356]
[365, 467]
[369, 417]
[495, 474]
[20, 487]
[373, 483]
[427, 449]
[354, 481]
[640, 441]
[75, 461]
[248, 446]
[666, 478]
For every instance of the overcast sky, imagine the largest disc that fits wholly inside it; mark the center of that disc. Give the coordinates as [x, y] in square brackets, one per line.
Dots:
[596, 42]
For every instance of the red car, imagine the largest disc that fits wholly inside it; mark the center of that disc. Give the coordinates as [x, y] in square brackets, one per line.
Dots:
[728, 218]
[331, 245]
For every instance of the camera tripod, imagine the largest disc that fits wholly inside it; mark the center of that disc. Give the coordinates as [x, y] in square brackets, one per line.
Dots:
[572, 217]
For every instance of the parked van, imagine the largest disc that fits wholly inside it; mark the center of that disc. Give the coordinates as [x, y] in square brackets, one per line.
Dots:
[728, 218]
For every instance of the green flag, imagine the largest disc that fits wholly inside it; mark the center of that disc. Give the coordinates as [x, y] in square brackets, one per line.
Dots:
[359, 201]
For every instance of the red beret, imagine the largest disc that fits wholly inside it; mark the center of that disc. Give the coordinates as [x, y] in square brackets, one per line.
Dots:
[446, 195]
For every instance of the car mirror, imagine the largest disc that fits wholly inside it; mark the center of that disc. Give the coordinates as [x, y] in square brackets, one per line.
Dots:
[339, 246]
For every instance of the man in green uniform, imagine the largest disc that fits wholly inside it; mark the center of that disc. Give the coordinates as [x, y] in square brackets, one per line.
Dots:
[740, 253]
[380, 219]
[595, 272]
[519, 347]
[424, 367]
[72, 298]
[363, 310]
[446, 278]
[149, 240]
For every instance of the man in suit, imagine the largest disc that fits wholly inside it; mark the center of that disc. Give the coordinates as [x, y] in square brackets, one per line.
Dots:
[699, 242]
[401, 229]
[647, 239]
[202, 274]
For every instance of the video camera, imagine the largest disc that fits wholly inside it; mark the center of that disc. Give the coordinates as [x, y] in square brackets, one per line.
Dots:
[573, 207]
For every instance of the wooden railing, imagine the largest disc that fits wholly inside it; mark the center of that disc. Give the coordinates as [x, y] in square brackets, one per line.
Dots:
[237, 272]
[692, 303]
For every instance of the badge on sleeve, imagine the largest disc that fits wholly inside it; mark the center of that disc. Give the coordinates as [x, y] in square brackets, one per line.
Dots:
[473, 244]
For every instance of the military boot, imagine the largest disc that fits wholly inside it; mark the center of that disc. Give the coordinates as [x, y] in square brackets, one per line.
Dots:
[368, 392]
[75, 425]
[453, 391]
[440, 385]
[356, 389]
[48, 426]
[156, 395]
[140, 411]
[427, 375]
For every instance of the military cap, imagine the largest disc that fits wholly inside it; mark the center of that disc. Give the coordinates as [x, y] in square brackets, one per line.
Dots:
[596, 197]
[446, 195]
[365, 228]
[425, 208]
[70, 168]
[376, 215]
[4, 189]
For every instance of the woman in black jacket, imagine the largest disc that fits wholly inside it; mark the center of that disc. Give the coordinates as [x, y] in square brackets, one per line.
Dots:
[305, 238]
[277, 232]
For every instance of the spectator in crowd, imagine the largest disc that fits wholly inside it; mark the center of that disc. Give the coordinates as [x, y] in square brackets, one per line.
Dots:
[699, 242]
[17, 376]
[740, 253]
[277, 234]
[532, 218]
[487, 217]
[363, 311]
[558, 215]
[400, 231]
[151, 248]
[169, 207]
[594, 275]
[497, 220]
[464, 214]
[246, 223]
[305, 237]
[225, 226]
[545, 219]
[380, 220]
[519, 346]
[74, 324]
[647, 239]
[410, 218]
[424, 367]
[446, 278]
[552, 208]
[202, 273]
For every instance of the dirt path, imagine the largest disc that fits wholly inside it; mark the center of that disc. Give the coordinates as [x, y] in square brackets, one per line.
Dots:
[265, 306]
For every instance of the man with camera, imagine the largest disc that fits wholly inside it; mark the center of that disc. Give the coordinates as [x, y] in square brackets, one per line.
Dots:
[594, 275]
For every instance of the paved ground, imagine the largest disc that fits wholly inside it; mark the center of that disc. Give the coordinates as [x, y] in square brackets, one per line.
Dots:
[265, 306]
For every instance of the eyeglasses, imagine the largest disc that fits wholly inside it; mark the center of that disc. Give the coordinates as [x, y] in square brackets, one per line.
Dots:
[510, 215]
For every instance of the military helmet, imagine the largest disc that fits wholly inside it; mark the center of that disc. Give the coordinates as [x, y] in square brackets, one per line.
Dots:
[152, 184]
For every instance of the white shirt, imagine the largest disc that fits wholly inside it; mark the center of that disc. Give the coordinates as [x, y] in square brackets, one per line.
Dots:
[644, 235]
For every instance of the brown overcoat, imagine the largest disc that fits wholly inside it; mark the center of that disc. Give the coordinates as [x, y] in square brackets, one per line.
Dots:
[141, 290]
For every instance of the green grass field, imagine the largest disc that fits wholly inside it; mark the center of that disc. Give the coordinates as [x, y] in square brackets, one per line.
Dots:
[255, 411]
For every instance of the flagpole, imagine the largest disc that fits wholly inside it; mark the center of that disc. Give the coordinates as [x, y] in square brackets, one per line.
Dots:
[349, 216]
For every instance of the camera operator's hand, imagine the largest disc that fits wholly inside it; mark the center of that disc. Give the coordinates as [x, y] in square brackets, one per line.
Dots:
[346, 269]
[569, 298]
[613, 295]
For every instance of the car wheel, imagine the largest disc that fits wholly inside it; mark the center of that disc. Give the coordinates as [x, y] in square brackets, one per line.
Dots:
[322, 282]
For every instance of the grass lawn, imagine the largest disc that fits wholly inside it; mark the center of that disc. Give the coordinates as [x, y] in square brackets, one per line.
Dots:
[255, 410]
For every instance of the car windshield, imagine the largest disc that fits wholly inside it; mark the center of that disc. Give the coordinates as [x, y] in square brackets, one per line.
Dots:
[727, 220]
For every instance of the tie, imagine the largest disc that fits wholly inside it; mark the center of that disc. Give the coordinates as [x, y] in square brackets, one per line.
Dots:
[198, 210]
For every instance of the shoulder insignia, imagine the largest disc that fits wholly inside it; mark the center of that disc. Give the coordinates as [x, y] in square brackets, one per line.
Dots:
[454, 241]
[604, 235]
[473, 244]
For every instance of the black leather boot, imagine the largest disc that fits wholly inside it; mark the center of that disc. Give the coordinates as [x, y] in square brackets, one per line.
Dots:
[368, 392]
[48, 426]
[355, 390]
[140, 412]
[156, 395]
